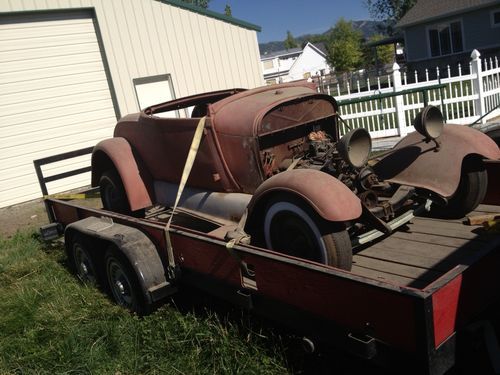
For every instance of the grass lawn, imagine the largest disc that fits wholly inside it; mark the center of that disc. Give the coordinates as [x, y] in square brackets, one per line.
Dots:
[51, 323]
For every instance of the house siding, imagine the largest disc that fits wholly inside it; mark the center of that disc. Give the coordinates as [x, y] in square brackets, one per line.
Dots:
[477, 34]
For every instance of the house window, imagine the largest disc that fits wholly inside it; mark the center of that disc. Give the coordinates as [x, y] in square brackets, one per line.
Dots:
[445, 39]
[495, 18]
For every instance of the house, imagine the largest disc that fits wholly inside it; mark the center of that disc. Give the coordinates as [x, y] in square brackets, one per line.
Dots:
[69, 69]
[445, 32]
[294, 64]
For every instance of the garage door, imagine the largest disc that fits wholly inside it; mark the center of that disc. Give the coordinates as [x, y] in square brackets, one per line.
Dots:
[54, 97]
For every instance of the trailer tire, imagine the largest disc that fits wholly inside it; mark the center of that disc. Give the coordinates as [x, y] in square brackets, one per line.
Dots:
[113, 195]
[82, 261]
[123, 283]
[292, 227]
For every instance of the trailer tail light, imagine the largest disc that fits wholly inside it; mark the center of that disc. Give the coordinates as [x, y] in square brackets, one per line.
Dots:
[445, 304]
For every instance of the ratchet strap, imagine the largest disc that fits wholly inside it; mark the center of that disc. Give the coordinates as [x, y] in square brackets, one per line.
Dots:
[193, 150]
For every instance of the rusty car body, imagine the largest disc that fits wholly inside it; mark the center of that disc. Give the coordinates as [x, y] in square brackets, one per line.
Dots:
[273, 160]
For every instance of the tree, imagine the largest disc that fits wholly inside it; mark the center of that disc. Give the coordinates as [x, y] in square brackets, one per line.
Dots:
[389, 11]
[227, 10]
[344, 47]
[379, 55]
[290, 41]
[198, 3]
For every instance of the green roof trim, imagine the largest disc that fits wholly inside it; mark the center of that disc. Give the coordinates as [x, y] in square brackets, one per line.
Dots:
[210, 13]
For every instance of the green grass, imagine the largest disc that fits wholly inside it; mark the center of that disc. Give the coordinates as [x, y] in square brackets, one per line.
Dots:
[51, 323]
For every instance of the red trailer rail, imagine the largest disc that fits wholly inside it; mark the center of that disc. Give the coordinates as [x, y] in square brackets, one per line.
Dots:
[403, 302]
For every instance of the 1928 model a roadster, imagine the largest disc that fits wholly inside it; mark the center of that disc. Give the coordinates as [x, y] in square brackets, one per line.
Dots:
[274, 156]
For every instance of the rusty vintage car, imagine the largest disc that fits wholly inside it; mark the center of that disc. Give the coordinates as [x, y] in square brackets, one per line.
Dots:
[274, 156]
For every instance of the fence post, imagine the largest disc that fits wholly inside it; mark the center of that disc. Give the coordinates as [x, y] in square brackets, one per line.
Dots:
[398, 101]
[478, 84]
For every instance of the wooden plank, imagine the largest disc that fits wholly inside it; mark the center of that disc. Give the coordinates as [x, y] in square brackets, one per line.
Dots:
[420, 227]
[387, 277]
[397, 269]
[488, 208]
[442, 224]
[431, 239]
[431, 258]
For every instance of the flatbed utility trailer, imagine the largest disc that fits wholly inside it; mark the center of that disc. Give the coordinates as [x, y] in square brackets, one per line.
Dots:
[402, 304]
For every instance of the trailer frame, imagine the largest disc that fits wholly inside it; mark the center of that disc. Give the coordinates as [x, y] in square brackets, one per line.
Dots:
[375, 319]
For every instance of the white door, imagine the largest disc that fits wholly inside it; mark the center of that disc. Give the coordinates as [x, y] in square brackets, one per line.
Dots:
[54, 98]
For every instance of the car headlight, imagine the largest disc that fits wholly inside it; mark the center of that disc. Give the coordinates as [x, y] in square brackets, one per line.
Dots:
[429, 122]
[355, 147]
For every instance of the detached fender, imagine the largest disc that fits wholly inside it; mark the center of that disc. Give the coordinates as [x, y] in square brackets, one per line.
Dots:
[329, 197]
[415, 162]
[138, 249]
[117, 153]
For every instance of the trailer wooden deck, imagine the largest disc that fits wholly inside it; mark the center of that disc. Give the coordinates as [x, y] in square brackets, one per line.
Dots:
[424, 250]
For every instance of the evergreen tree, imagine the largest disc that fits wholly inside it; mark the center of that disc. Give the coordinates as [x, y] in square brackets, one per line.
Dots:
[290, 41]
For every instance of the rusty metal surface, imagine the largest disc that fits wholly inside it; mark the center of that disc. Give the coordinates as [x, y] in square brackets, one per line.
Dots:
[188, 101]
[163, 144]
[328, 196]
[241, 114]
[241, 119]
[415, 162]
[133, 175]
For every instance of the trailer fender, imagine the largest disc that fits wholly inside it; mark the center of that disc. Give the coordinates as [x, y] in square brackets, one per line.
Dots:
[417, 162]
[138, 249]
[137, 181]
[329, 197]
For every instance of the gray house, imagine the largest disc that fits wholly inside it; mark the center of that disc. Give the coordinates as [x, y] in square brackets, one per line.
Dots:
[444, 32]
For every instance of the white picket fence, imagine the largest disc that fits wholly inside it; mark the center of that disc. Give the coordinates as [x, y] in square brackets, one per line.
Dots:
[465, 99]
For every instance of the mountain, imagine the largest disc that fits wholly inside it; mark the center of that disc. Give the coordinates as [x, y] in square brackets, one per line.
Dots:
[367, 28]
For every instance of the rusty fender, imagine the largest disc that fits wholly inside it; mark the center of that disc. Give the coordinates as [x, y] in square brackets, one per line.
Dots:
[329, 197]
[418, 163]
[137, 182]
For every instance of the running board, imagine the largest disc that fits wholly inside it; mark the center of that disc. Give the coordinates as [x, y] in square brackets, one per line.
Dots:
[393, 224]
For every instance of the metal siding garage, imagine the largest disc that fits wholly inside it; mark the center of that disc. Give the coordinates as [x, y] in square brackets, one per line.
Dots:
[54, 97]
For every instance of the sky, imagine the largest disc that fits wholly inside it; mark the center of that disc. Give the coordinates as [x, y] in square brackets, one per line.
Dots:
[299, 16]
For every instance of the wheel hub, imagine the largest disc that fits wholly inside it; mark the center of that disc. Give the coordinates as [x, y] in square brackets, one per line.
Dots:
[120, 288]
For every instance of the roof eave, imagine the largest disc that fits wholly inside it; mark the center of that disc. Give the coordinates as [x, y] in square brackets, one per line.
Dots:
[212, 14]
[445, 15]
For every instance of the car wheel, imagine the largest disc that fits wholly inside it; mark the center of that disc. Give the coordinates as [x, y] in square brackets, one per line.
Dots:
[113, 194]
[83, 262]
[470, 192]
[293, 228]
[122, 282]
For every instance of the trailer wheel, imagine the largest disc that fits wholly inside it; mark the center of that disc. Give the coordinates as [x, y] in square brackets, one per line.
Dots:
[293, 228]
[123, 284]
[470, 192]
[82, 262]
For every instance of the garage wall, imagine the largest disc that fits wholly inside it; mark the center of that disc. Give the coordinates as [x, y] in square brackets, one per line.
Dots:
[54, 98]
[144, 38]
[139, 39]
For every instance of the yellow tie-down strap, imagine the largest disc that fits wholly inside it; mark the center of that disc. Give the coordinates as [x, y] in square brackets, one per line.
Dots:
[71, 196]
[193, 150]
